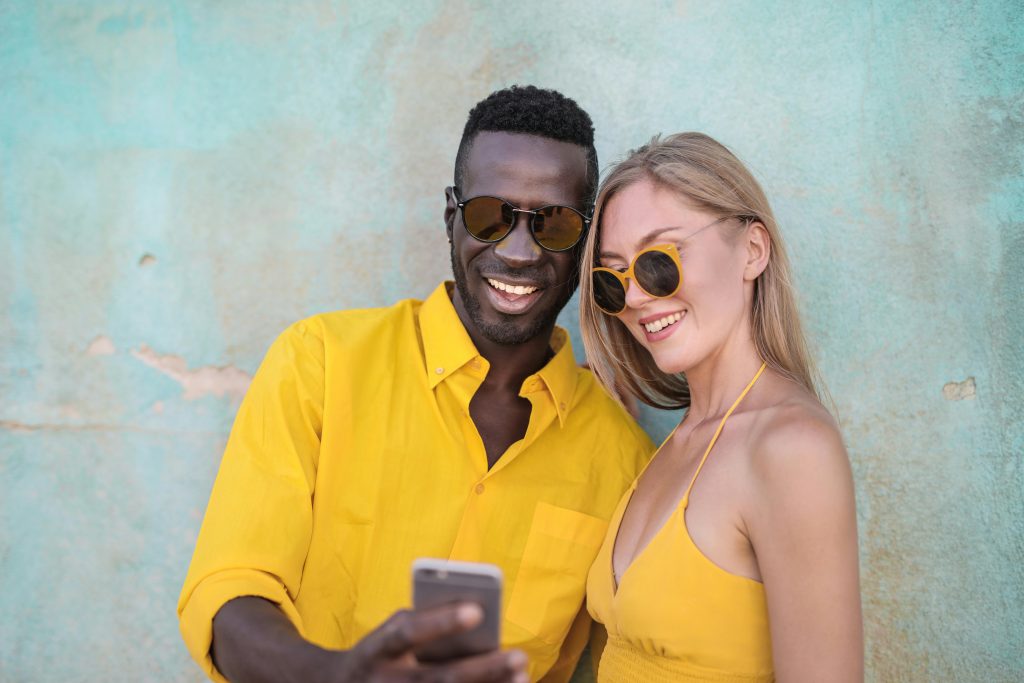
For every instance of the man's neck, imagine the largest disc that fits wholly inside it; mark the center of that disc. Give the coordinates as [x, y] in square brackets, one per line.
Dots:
[510, 364]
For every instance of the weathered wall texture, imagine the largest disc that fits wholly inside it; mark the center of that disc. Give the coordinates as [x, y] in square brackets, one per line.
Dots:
[180, 180]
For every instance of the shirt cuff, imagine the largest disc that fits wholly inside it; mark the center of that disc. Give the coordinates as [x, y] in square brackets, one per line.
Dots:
[196, 614]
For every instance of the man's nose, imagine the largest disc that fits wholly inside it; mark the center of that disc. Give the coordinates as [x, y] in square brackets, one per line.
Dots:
[519, 249]
[635, 297]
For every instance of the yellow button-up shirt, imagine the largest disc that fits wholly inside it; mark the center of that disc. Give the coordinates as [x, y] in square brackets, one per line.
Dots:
[353, 454]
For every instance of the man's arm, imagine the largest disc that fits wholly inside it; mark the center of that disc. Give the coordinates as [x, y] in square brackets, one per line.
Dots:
[236, 609]
[258, 523]
[254, 642]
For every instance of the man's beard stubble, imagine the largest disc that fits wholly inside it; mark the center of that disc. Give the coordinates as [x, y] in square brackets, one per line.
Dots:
[507, 332]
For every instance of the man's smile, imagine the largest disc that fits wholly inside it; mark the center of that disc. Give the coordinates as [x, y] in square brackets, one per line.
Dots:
[512, 298]
[511, 288]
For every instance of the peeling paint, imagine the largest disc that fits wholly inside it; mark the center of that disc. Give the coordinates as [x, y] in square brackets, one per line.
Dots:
[100, 346]
[204, 381]
[959, 391]
[18, 427]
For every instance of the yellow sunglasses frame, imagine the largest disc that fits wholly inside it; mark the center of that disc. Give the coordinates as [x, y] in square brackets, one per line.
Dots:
[669, 249]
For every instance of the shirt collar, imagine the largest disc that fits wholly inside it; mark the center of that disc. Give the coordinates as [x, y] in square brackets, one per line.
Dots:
[447, 347]
[560, 374]
[446, 344]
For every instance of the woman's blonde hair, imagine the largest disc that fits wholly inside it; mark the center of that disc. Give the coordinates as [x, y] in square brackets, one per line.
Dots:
[710, 178]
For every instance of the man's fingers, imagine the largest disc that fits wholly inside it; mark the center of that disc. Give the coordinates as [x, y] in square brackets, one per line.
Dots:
[405, 630]
[493, 667]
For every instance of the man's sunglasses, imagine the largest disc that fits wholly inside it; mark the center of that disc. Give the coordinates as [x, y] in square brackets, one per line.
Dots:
[490, 219]
[656, 270]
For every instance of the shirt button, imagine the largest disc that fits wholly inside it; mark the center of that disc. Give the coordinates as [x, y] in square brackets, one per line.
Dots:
[439, 371]
[479, 488]
[562, 406]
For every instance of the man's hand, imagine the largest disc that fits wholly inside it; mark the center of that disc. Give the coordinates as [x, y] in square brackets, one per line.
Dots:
[386, 654]
[254, 642]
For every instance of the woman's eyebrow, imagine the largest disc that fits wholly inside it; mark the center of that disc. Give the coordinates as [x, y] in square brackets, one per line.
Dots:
[644, 241]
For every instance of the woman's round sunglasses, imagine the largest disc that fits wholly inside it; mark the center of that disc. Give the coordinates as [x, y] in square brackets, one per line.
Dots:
[656, 270]
[490, 219]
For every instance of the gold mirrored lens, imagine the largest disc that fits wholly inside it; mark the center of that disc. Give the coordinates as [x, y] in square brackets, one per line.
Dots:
[557, 227]
[488, 218]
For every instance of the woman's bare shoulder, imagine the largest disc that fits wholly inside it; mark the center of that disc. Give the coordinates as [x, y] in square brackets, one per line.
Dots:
[795, 439]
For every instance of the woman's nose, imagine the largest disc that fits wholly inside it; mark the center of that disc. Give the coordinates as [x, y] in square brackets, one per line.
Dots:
[635, 297]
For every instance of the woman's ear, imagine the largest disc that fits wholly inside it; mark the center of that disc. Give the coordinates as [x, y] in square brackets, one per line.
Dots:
[759, 247]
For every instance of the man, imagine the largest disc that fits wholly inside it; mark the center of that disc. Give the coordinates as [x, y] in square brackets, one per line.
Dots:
[459, 428]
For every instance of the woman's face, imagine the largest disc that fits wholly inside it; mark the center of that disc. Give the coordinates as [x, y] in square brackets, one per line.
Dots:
[711, 306]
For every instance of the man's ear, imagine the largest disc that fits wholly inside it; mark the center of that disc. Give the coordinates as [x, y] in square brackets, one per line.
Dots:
[450, 207]
[759, 248]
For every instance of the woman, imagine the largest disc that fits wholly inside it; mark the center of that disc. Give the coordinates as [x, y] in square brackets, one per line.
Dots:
[734, 555]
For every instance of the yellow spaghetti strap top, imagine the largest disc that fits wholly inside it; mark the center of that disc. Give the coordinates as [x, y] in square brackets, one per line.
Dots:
[675, 615]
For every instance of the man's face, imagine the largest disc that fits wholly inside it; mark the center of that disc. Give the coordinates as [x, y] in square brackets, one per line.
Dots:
[529, 172]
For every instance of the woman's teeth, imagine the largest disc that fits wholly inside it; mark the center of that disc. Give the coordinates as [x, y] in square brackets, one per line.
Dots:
[511, 289]
[662, 323]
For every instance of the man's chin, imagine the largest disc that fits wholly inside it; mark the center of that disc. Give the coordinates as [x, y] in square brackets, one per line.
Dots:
[536, 315]
[509, 330]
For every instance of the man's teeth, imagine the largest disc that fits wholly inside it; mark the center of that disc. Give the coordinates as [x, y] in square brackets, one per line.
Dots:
[511, 289]
[662, 323]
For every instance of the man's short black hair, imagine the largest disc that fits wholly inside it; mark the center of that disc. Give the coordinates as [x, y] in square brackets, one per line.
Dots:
[534, 111]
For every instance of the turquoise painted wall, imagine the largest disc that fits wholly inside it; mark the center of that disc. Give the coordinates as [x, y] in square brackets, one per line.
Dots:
[181, 180]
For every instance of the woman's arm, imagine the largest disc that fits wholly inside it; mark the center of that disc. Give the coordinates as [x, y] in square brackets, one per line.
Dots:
[802, 524]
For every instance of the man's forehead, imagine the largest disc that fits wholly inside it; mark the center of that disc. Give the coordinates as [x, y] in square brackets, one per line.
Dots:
[526, 163]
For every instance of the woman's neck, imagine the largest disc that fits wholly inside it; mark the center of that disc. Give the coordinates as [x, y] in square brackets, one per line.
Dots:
[718, 379]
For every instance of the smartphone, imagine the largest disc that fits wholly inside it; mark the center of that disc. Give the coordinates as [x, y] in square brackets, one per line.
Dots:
[441, 582]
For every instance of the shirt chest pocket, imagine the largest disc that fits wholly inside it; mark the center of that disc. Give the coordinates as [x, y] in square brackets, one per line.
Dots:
[552, 576]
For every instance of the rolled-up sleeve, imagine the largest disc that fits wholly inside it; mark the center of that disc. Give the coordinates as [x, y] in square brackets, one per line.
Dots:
[256, 531]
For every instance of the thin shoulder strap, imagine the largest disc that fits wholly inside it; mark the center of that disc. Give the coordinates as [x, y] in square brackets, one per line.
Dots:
[721, 424]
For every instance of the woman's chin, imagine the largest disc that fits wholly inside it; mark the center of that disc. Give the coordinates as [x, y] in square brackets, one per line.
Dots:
[669, 360]
[670, 363]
